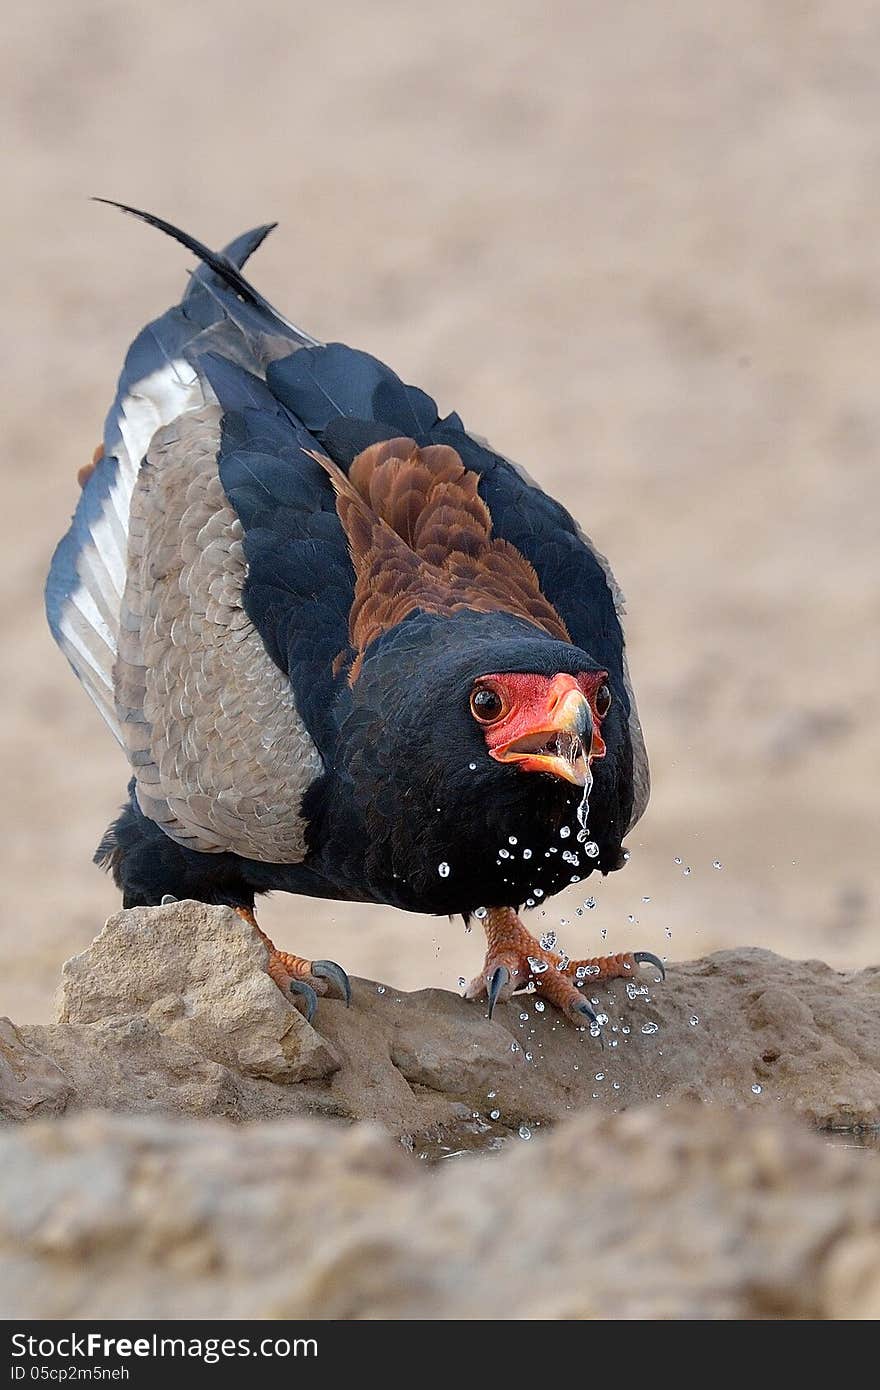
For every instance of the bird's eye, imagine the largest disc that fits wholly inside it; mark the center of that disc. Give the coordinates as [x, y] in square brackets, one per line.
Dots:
[603, 701]
[487, 704]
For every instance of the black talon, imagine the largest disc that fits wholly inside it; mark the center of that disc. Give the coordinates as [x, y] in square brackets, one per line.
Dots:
[584, 1008]
[329, 970]
[586, 1012]
[645, 957]
[500, 977]
[311, 998]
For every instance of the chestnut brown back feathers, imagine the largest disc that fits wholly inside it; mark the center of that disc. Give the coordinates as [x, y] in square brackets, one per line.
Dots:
[420, 537]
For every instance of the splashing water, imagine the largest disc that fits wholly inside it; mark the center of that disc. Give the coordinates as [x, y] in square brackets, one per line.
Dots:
[583, 810]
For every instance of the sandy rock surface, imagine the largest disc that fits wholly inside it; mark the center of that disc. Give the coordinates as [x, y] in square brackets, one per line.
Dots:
[170, 1010]
[198, 976]
[31, 1084]
[687, 1213]
[487, 1177]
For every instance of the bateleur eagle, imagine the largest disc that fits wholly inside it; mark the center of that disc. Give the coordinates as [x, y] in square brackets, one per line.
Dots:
[349, 650]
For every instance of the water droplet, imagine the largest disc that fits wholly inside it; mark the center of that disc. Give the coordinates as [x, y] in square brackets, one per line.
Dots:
[380, 989]
[528, 1056]
[565, 832]
[591, 849]
[625, 1029]
[538, 892]
[669, 933]
[527, 854]
[461, 982]
[686, 872]
[601, 1019]
[523, 1017]
[443, 870]
[646, 900]
[756, 1089]
[677, 859]
[472, 766]
[548, 940]
[717, 864]
[491, 1095]
[630, 918]
[530, 902]
[504, 853]
[590, 903]
[525, 1132]
[651, 1027]
[494, 1114]
[538, 966]
[514, 1047]
[694, 1020]
[512, 840]
[481, 912]
[615, 1085]
[600, 1076]
[539, 1005]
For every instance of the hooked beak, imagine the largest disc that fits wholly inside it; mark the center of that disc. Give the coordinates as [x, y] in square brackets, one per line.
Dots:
[564, 745]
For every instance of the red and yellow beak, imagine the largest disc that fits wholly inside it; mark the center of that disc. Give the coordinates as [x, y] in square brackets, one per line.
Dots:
[562, 739]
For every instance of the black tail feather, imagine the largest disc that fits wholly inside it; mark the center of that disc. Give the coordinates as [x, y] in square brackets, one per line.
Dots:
[220, 264]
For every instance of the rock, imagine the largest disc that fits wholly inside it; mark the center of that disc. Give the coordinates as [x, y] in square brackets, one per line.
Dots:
[199, 974]
[171, 1009]
[689, 1212]
[128, 1064]
[30, 1082]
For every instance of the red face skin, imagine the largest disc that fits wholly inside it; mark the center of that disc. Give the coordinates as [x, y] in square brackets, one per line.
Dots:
[543, 722]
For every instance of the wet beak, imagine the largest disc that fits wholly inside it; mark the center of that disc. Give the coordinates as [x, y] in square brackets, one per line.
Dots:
[564, 745]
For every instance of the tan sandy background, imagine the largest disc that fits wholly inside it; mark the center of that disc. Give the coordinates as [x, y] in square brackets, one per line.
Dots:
[636, 245]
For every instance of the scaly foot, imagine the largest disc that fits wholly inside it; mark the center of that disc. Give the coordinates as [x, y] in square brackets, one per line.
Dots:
[514, 957]
[299, 979]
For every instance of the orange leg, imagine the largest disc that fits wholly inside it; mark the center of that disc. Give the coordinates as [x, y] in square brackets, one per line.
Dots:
[304, 979]
[514, 957]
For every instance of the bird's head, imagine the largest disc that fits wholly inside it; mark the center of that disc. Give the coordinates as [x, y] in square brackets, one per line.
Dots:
[472, 739]
[543, 724]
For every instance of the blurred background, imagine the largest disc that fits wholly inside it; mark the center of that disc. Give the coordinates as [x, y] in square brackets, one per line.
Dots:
[637, 247]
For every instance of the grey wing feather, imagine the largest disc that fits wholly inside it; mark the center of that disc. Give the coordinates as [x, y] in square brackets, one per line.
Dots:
[220, 755]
